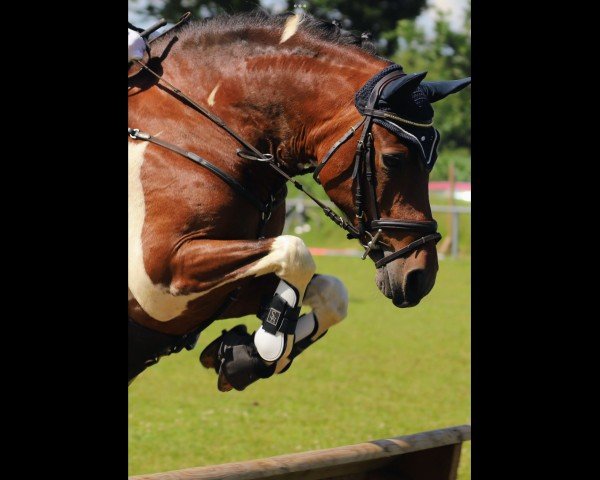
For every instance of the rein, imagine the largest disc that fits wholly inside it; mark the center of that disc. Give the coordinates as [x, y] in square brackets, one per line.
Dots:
[364, 155]
[211, 116]
[265, 209]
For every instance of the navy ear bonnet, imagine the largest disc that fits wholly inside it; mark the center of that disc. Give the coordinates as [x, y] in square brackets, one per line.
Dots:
[410, 100]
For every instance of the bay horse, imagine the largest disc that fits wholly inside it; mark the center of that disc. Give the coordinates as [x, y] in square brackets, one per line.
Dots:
[222, 114]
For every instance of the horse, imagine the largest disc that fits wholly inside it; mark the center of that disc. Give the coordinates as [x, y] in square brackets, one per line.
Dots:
[223, 113]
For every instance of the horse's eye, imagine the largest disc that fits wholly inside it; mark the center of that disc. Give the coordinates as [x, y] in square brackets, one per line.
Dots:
[393, 160]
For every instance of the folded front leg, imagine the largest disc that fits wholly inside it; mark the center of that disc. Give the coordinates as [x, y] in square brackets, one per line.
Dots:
[291, 261]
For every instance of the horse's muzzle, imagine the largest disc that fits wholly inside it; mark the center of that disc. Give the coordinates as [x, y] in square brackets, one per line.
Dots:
[406, 281]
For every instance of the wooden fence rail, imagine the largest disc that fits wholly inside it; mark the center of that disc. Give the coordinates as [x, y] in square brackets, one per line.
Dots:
[432, 455]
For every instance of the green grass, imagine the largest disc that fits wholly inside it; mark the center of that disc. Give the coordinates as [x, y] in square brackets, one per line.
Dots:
[380, 373]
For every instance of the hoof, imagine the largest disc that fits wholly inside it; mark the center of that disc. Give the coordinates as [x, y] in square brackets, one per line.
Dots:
[208, 357]
[222, 384]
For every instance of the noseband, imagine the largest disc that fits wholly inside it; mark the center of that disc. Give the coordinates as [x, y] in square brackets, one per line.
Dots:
[362, 173]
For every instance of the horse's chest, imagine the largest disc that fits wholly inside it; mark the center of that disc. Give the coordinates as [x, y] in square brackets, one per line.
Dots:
[155, 299]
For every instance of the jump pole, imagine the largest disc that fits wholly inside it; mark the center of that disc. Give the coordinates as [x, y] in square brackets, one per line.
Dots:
[432, 455]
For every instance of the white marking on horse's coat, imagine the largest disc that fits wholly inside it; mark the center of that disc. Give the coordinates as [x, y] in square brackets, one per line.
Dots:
[155, 300]
[291, 27]
[290, 260]
[211, 97]
[289, 257]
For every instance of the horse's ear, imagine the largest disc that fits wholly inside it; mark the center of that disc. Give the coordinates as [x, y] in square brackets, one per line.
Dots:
[403, 86]
[437, 90]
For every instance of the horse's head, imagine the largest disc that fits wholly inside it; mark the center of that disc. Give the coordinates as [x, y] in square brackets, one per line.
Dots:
[382, 183]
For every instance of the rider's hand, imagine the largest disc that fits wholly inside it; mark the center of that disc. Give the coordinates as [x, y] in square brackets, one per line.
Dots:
[137, 46]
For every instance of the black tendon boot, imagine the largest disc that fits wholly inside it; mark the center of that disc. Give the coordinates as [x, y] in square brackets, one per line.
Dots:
[235, 359]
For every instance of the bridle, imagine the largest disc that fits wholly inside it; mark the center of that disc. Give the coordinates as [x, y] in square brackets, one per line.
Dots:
[363, 172]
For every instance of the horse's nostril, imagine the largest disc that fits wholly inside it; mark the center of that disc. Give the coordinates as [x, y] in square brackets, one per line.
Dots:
[414, 286]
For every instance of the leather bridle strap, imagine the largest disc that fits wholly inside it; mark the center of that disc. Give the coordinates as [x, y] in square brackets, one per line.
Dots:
[339, 221]
[362, 148]
[229, 180]
[334, 148]
[408, 248]
[428, 226]
[369, 174]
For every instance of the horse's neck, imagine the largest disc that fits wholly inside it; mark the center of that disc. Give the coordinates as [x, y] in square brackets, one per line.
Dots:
[292, 105]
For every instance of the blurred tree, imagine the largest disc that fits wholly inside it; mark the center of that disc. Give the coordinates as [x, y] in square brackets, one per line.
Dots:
[446, 55]
[376, 17]
[172, 10]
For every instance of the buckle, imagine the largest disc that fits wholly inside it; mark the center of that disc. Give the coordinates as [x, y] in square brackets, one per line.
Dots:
[136, 134]
[245, 154]
[372, 243]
